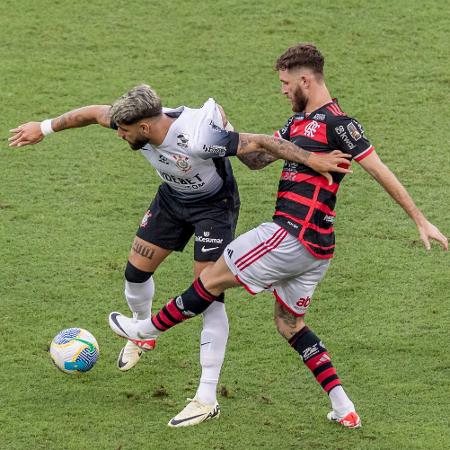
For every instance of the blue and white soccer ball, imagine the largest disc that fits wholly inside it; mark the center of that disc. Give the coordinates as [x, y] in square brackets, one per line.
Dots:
[74, 350]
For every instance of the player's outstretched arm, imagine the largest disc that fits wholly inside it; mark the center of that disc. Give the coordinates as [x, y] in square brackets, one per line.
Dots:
[256, 160]
[383, 175]
[33, 132]
[323, 163]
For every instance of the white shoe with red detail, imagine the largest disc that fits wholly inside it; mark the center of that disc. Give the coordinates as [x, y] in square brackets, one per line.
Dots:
[351, 420]
[129, 328]
[130, 355]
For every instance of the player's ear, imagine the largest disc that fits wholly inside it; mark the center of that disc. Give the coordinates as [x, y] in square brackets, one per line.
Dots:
[305, 81]
[145, 128]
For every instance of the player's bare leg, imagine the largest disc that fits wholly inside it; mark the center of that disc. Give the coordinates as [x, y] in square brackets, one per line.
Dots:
[143, 261]
[315, 356]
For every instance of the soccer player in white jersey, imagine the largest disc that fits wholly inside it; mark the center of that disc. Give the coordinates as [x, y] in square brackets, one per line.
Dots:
[188, 148]
[290, 255]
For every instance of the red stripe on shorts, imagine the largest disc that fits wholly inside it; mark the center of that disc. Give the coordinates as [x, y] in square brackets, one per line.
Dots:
[266, 249]
[260, 251]
[250, 252]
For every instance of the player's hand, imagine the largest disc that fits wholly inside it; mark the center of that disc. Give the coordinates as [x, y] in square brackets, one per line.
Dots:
[335, 161]
[26, 134]
[428, 231]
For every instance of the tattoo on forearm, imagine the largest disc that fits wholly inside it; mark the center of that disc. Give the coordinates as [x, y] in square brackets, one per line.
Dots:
[243, 141]
[73, 119]
[277, 148]
[256, 160]
[143, 250]
[60, 123]
[285, 149]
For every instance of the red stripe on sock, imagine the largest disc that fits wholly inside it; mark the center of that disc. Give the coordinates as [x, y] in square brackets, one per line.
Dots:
[158, 324]
[204, 294]
[331, 385]
[174, 311]
[318, 360]
[325, 374]
[164, 317]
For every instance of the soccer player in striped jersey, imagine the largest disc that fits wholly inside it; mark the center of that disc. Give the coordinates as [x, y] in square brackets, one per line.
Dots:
[189, 149]
[290, 255]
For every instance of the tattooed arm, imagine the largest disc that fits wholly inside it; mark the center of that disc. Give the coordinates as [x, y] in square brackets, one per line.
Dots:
[256, 160]
[281, 149]
[30, 133]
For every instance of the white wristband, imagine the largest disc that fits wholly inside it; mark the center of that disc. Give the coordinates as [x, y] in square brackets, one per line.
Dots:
[46, 127]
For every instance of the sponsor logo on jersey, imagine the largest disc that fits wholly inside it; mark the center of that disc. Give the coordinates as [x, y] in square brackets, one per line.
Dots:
[329, 219]
[292, 224]
[354, 132]
[162, 159]
[144, 221]
[311, 128]
[340, 130]
[214, 126]
[194, 182]
[183, 140]
[230, 252]
[319, 116]
[291, 166]
[182, 162]
[219, 150]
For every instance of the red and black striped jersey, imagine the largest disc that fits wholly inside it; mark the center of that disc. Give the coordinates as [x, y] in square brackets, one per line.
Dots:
[305, 202]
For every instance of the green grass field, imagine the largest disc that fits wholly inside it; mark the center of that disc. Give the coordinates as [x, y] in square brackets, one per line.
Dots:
[69, 208]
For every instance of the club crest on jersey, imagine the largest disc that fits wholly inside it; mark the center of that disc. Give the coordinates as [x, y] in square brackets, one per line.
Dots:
[182, 162]
[183, 140]
[147, 216]
[311, 128]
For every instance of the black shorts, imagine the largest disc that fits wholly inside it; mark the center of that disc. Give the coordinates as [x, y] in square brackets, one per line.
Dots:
[169, 223]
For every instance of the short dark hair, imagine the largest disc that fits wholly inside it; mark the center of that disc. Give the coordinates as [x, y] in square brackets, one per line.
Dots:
[301, 55]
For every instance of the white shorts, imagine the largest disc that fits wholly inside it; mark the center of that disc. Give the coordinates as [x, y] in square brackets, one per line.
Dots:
[269, 258]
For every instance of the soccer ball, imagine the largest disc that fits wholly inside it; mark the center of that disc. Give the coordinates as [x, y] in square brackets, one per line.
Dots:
[74, 350]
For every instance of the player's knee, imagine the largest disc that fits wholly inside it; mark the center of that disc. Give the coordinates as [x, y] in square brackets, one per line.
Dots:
[135, 275]
[287, 324]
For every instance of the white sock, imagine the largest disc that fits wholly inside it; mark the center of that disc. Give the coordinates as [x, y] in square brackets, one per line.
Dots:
[213, 343]
[139, 297]
[340, 402]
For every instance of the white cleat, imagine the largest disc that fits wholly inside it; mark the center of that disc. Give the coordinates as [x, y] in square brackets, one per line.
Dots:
[195, 413]
[129, 328]
[351, 420]
[129, 356]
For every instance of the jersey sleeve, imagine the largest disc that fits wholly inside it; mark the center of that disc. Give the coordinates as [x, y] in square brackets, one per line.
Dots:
[211, 140]
[284, 132]
[348, 136]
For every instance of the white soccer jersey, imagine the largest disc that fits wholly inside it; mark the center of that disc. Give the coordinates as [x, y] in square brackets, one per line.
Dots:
[185, 159]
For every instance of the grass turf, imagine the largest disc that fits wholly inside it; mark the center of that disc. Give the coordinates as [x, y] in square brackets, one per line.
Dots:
[69, 208]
